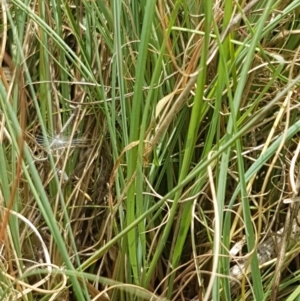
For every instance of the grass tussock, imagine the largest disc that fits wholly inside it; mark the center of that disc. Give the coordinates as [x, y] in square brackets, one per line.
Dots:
[149, 150]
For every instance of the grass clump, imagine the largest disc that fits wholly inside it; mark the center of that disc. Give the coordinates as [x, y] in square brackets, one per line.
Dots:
[149, 150]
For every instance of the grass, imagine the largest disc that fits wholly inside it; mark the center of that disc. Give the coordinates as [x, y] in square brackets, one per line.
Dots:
[141, 141]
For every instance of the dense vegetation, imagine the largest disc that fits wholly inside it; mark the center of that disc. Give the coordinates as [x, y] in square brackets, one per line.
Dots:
[149, 149]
